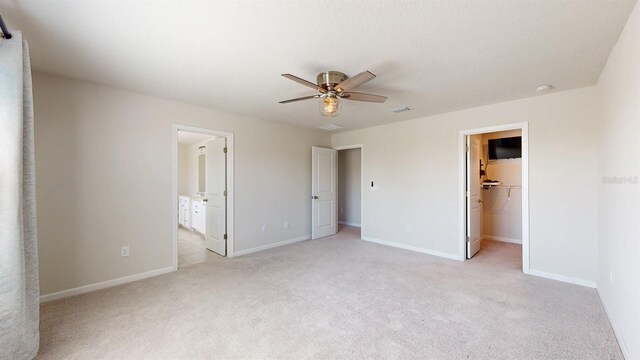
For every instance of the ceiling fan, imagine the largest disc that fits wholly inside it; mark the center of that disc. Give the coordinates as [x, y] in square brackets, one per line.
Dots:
[333, 86]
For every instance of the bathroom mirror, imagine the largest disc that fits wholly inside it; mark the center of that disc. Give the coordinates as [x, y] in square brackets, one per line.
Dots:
[202, 173]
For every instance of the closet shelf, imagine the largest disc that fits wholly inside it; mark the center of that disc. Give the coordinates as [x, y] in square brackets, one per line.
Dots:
[501, 186]
[488, 186]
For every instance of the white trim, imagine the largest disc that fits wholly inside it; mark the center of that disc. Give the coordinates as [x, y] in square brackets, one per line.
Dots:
[348, 147]
[616, 331]
[230, 191]
[271, 246]
[104, 284]
[361, 147]
[348, 223]
[524, 127]
[567, 279]
[411, 248]
[502, 239]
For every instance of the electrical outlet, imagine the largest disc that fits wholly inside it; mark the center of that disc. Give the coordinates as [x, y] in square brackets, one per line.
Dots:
[264, 228]
[610, 278]
[124, 251]
[409, 228]
[286, 224]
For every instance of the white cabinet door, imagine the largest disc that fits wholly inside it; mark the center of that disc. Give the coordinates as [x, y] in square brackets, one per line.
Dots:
[187, 213]
[196, 216]
[184, 209]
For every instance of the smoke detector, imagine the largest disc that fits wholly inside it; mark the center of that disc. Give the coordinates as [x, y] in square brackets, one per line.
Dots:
[543, 88]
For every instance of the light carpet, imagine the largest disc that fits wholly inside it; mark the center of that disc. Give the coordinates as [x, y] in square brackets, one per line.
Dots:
[335, 298]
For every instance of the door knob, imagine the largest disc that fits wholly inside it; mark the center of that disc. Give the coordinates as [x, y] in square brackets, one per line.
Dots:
[205, 200]
[481, 201]
[314, 197]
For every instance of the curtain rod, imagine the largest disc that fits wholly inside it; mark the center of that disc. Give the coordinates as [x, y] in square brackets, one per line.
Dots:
[3, 27]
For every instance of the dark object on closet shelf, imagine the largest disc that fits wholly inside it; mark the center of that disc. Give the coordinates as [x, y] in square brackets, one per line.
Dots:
[505, 148]
[3, 27]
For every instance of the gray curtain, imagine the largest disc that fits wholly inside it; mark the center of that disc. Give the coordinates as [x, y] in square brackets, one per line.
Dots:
[19, 289]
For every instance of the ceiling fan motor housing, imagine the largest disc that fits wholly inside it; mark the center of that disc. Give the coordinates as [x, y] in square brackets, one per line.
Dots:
[330, 79]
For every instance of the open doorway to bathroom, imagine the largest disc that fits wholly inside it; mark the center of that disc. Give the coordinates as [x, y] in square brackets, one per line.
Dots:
[203, 196]
[495, 195]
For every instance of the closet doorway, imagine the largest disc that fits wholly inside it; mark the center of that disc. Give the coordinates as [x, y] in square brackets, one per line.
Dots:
[336, 190]
[203, 195]
[350, 190]
[494, 189]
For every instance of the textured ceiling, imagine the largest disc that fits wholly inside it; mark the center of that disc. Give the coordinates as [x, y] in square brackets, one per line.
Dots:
[434, 56]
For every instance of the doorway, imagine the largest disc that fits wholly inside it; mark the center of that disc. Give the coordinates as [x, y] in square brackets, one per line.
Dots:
[349, 189]
[494, 192]
[203, 195]
[336, 193]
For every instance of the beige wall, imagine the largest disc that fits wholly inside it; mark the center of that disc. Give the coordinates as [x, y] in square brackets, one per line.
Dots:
[103, 160]
[415, 166]
[349, 185]
[502, 210]
[183, 169]
[619, 205]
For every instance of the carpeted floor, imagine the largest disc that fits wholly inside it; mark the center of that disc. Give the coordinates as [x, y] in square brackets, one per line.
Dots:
[332, 298]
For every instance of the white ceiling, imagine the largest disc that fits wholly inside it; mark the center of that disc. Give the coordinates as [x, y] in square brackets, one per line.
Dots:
[434, 56]
[188, 138]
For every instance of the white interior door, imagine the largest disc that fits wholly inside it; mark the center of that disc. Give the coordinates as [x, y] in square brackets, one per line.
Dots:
[474, 200]
[216, 199]
[324, 179]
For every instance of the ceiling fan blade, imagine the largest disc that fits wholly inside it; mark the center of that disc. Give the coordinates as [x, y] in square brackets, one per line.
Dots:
[363, 97]
[355, 81]
[300, 99]
[304, 82]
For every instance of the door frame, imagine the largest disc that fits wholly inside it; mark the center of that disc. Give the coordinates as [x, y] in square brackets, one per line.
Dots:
[361, 147]
[524, 127]
[174, 185]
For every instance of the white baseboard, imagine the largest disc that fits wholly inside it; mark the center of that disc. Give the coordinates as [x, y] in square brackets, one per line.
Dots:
[348, 223]
[271, 246]
[502, 239]
[412, 248]
[616, 332]
[563, 278]
[105, 284]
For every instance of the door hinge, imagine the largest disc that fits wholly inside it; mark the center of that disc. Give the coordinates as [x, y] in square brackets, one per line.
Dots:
[467, 193]
[224, 150]
[225, 193]
[225, 236]
[468, 238]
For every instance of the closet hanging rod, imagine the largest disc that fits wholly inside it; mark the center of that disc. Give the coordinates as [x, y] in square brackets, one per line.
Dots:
[3, 27]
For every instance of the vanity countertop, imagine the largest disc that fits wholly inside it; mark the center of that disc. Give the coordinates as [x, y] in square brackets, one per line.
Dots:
[193, 198]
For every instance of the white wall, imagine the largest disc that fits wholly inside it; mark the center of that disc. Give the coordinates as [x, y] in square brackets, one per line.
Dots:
[104, 180]
[619, 210]
[349, 185]
[415, 166]
[183, 169]
[502, 210]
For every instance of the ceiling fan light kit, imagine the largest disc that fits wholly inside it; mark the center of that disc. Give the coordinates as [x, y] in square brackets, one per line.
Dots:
[333, 87]
[329, 105]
